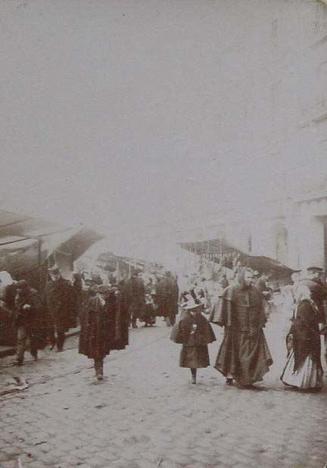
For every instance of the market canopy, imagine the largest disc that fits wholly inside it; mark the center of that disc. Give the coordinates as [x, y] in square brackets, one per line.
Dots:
[223, 252]
[27, 242]
[266, 265]
[210, 248]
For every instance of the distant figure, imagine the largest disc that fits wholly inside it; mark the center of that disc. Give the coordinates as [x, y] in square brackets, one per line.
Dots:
[167, 298]
[244, 354]
[303, 369]
[224, 282]
[134, 292]
[262, 286]
[287, 293]
[77, 284]
[194, 332]
[149, 312]
[59, 295]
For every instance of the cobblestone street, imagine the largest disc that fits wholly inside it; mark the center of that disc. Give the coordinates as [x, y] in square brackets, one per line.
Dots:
[147, 414]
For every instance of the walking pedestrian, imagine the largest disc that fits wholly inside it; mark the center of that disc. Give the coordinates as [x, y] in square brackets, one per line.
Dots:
[303, 369]
[194, 332]
[29, 321]
[244, 355]
[103, 326]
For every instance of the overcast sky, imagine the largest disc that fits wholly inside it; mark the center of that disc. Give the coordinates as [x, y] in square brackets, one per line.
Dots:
[129, 115]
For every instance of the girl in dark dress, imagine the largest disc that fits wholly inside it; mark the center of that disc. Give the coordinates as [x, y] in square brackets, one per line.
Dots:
[194, 332]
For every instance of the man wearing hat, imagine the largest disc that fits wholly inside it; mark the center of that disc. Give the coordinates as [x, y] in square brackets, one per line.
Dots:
[28, 320]
[59, 295]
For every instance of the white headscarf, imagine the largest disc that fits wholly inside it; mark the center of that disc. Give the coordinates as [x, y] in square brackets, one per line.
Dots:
[5, 279]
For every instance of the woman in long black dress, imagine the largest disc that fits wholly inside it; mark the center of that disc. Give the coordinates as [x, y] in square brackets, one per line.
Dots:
[303, 368]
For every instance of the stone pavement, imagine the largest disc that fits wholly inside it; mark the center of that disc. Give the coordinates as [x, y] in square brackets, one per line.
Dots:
[146, 414]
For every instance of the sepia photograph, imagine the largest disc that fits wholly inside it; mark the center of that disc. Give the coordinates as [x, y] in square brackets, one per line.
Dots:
[163, 234]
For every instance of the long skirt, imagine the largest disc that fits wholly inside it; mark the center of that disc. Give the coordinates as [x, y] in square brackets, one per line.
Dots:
[247, 358]
[308, 376]
[194, 357]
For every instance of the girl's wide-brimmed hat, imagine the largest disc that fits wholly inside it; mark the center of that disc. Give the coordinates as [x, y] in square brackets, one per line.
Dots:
[191, 304]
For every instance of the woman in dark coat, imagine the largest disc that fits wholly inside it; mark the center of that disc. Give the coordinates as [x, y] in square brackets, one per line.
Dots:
[194, 332]
[303, 368]
[103, 327]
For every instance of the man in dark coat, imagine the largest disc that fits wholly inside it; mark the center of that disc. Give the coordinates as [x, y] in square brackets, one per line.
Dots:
[29, 320]
[59, 295]
[167, 297]
[135, 297]
[244, 354]
[104, 326]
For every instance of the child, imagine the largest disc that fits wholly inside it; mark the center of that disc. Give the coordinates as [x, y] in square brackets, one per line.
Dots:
[194, 332]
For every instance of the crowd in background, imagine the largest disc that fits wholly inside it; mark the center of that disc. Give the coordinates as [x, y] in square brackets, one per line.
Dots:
[105, 308]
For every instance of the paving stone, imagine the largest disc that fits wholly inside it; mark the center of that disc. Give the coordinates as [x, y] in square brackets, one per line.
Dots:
[139, 418]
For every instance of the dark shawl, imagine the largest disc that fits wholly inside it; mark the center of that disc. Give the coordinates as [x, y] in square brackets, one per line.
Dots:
[240, 307]
[182, 331]
[305, 331]
[318, 295]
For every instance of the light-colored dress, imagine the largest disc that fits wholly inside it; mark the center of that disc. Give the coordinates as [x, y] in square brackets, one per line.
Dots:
[308, 376]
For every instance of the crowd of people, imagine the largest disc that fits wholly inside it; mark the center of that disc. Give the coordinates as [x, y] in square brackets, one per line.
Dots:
[244, 356]
[105, 310]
